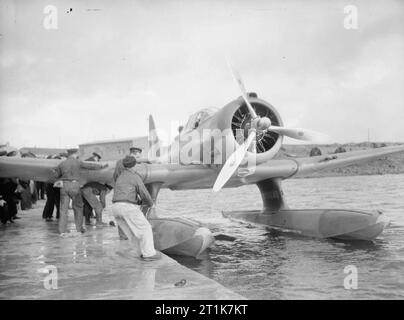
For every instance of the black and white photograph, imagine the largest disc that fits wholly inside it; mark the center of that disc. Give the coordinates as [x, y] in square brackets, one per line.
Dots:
[201, 150]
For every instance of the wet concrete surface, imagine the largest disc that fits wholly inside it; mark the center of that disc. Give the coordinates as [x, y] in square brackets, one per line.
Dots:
[93, 265]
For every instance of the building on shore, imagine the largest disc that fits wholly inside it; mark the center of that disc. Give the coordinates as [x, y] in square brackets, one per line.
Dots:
[113, 149]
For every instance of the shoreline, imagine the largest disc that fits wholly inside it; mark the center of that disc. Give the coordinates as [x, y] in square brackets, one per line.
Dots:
[330, 175]
[390, 164]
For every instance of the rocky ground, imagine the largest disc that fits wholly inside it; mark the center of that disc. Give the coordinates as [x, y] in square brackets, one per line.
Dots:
[393, 164]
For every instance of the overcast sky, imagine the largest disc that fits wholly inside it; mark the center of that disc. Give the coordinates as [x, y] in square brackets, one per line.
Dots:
[112, 63]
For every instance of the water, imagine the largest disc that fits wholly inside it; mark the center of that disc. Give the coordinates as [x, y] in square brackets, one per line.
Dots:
[274, 265]
[258, 265]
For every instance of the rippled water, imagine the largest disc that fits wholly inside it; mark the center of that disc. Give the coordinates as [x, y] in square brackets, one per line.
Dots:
[273, 265]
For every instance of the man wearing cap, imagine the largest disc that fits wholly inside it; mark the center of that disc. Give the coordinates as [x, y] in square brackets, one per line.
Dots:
[128, 187]
[134, 152]
[68, 171]
[95, 157]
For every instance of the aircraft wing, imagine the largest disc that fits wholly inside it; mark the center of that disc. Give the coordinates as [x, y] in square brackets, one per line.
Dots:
[42, 169]
[296, 167]
[175, 176]
[195, 176]
[28, 168]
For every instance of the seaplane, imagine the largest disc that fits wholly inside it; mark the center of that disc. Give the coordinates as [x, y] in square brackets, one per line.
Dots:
[228, 148]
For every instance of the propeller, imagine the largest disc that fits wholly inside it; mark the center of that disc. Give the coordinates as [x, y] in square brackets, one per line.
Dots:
[300, 134]
[260, 124]
[240, 84]
[233, 162]
[264, 123]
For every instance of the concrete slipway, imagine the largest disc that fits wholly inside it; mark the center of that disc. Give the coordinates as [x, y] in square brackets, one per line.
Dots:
[94, 265]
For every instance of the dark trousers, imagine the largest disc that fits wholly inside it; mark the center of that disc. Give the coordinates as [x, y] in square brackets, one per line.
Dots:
[52, 201]
[87, 210]
[40, 187]
[93, 203]
[26, 200]
[7, 191]
[34, 194]
[4, 214]
[11, 204]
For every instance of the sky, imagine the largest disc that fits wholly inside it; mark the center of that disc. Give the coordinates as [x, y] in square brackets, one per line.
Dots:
[109, 64]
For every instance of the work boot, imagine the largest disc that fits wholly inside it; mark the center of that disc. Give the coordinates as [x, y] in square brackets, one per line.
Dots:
[157, 256]
[101, 224]
[122, 235]
[68, 234]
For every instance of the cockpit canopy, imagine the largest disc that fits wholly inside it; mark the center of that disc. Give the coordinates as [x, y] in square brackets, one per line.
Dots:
[197, 118]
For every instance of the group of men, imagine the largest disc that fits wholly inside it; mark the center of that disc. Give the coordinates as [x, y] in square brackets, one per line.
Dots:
[67, 174]
[18, 194]
[129, 193]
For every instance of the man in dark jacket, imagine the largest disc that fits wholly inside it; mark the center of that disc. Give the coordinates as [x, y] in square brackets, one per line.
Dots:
[52, 201]
[8, 191]
[4, 215]
[128, 187]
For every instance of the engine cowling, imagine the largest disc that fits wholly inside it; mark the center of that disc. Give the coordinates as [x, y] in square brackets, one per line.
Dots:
[224, 128]
[267, 143]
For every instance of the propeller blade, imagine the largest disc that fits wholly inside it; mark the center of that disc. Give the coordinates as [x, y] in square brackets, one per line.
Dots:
[240, 84]
[232, 163]
[300, 134]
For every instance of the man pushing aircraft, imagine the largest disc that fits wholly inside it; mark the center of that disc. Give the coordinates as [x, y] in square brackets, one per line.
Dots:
[128, 188]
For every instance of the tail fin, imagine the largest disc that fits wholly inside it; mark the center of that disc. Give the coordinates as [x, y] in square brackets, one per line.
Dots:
[154, 142]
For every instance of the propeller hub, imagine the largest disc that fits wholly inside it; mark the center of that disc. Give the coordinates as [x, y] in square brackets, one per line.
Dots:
[263, 123]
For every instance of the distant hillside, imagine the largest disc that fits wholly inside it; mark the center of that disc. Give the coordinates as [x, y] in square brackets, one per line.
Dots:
[393, 164]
